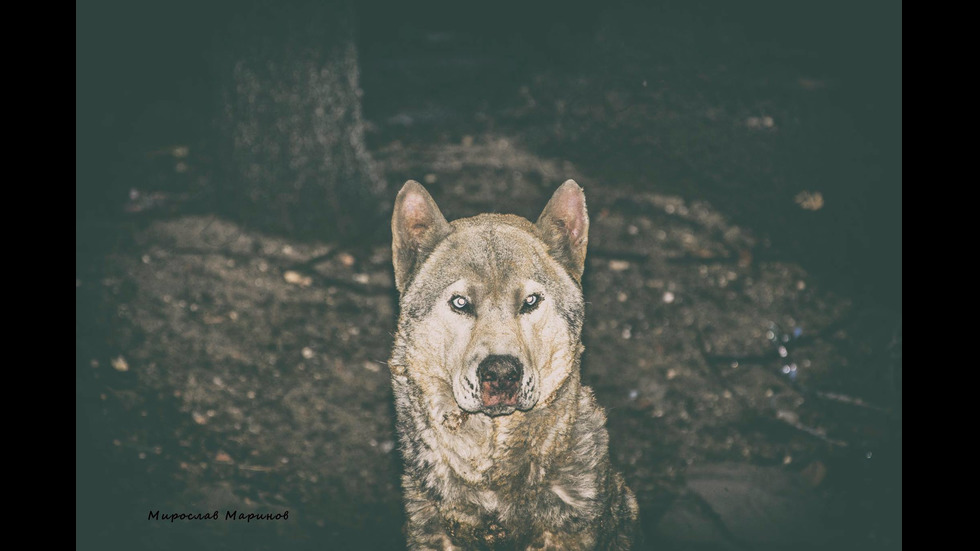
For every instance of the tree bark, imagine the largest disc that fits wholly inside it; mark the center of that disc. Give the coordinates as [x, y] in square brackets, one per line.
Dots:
[291, 128]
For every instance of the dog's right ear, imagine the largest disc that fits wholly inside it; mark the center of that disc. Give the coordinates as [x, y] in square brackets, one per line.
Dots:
[417, 226]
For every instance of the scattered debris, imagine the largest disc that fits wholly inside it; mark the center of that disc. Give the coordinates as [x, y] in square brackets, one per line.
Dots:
[760, 122]
[119, 364]
[223, 457]
[619, 265]
[297, 278]
[808, 200]
[346, 259]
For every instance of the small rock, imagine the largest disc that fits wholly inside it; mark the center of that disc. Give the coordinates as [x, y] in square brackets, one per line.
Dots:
[619, 265]
[809, 200]
[346, 259]
[790, 417]
[223, 457]
[668, 297]
[119, 364]
[297, 278]
[760, 122]
[307, 353]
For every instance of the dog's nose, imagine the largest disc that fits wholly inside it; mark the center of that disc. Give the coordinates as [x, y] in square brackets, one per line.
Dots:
[500, 379]
[500, 369]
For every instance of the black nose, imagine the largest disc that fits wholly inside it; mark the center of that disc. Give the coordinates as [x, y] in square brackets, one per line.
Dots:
[500, 370]
[500, 379]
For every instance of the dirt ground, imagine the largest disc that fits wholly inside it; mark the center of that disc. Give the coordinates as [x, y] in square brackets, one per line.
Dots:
[746, 350]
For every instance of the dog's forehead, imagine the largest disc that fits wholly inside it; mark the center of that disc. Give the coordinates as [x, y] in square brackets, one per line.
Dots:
[498, 251]
[491, 250]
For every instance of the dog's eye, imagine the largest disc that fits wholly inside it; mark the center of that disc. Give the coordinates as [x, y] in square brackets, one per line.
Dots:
[460, 304]
[531, 302]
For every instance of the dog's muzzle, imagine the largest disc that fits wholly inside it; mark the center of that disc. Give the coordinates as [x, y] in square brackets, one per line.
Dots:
[500, 383]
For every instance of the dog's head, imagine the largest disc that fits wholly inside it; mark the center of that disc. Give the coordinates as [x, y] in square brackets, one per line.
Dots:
[491, 306]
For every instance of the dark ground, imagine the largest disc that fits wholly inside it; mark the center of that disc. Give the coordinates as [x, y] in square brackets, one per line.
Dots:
[744, 329]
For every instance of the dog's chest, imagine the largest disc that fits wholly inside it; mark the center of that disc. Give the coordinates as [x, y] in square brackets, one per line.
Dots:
[496, 461]
[483, 452]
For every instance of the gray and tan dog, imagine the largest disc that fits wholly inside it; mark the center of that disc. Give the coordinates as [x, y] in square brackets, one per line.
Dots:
[504, 448]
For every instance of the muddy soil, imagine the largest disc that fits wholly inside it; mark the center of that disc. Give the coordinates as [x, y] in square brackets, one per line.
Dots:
[747, 353]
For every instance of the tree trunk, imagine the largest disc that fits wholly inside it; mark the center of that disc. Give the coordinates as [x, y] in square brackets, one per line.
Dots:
[291, 130]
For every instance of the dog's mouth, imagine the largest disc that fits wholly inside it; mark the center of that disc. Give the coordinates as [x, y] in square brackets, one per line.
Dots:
[499, 393]
[498, 411]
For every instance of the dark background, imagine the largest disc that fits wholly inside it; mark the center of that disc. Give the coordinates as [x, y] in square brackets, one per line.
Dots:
[736, 106]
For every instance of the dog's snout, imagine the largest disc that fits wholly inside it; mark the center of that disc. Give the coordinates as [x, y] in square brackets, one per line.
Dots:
[500, 380]
[500, 369]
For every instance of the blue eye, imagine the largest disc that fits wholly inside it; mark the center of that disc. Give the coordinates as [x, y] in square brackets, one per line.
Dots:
[459, 303]
[531, 302]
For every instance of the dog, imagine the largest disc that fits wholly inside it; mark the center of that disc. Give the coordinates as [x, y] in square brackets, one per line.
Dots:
[503, 446]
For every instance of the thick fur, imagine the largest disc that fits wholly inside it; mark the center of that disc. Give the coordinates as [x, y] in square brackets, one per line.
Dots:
[529, 472]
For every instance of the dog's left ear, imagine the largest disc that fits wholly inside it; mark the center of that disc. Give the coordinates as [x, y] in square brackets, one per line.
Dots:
[417, 226]
[564, 227]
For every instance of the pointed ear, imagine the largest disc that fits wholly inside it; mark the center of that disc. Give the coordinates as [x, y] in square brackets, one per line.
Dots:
[417, 226]
[564, 227]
